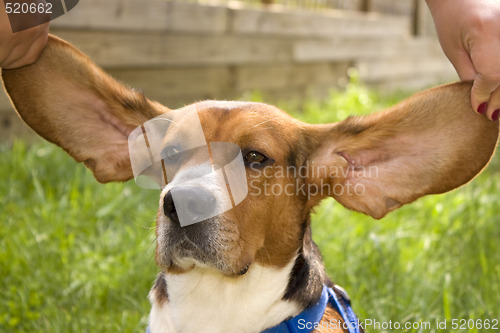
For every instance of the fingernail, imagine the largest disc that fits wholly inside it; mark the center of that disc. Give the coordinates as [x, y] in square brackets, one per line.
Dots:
[495, 114]
[481, 109]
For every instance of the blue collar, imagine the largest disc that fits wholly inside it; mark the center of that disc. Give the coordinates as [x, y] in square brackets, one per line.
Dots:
[306, 321]
[309, 319]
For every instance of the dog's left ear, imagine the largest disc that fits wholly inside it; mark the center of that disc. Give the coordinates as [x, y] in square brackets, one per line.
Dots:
[71, 102]
[430, 143]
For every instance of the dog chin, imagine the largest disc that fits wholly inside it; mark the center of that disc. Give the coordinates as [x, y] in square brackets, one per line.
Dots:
[181, 266]
[186, 264]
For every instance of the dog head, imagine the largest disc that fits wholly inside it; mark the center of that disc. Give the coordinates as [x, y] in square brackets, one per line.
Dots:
[428, 144]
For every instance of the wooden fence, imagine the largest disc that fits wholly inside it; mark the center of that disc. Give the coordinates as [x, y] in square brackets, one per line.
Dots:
[408, 8]
[180, 52]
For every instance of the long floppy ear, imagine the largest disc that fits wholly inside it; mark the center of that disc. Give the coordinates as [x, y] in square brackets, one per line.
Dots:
[430, 143]
[71, 102]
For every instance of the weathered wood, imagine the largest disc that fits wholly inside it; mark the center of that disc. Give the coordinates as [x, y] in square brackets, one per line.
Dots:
[365, 5]
[371, 71]
[114, 49]
[4, 100]
[285, 76]
[353, 49]
[179, 52]
[12, 127]
[173, 16]
[144, 15]
[343, 49]
[116, 14]
[172, 85]
[313, 24]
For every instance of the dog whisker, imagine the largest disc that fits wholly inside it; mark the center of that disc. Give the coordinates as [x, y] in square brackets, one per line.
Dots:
[268, 255]
[266, 121]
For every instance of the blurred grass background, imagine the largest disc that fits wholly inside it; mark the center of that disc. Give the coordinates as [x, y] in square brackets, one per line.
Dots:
[77, 256]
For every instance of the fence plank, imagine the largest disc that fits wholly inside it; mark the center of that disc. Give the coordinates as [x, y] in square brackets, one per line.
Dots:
[155, 15]
[171, 85]
[113, 49]
[371, 71]
[343, 49]
[141, 15]
[116, 14]
[311, 24]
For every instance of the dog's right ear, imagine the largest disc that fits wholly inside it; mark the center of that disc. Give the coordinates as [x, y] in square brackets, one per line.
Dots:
[71, 102]
[429, 143]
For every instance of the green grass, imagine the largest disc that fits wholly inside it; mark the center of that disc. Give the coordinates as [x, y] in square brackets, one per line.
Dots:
[77, 256]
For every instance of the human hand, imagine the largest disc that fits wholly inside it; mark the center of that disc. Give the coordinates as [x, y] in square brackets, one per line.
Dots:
[469, 33]
[23, 47]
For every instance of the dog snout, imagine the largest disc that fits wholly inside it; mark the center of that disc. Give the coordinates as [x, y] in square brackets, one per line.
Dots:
[189, 202]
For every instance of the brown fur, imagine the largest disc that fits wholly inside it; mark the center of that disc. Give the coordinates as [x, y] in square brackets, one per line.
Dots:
[430, 143]
[331, 323]
[71, 92]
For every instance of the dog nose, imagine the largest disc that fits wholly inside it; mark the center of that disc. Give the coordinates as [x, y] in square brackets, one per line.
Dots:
[192, 204]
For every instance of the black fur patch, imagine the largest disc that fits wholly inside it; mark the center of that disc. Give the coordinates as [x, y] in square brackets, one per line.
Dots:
[160, 289]
[292, 158]
[308, 274]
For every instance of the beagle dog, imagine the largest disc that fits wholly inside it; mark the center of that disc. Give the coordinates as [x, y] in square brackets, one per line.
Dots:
[254, 267]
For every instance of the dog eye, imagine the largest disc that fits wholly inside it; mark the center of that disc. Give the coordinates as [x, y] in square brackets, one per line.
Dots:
[170, 153]
[254, 157]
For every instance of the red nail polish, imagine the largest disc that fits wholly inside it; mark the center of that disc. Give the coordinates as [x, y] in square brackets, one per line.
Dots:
[495, 114]
[481, 109]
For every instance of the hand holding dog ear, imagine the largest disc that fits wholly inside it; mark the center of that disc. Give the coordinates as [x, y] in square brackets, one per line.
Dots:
[469, 32]
[23, 47]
